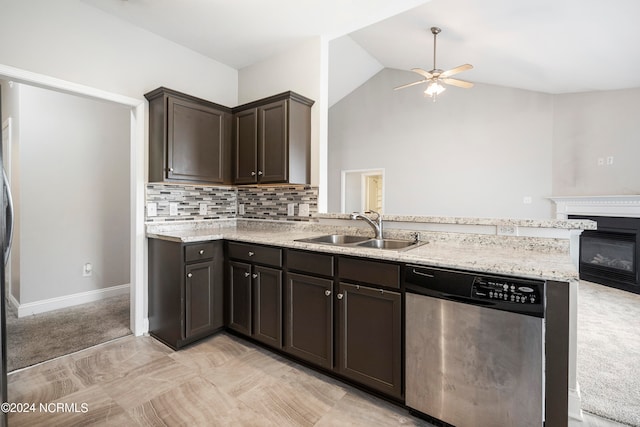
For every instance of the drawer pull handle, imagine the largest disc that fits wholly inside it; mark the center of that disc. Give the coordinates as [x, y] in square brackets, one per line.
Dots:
[201, 252]
[254, 275]
[251, 253]
[339, 296]
[189, 275]
[327, 292]
[247, 274]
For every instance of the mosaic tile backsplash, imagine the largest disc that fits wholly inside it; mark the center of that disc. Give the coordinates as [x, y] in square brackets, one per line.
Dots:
[179, 202]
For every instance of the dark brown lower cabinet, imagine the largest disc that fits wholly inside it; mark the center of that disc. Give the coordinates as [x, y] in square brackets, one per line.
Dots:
[185, 290]
[309, 319]
[239, 297]
[254, 300]
[369, 343]
[267, 305]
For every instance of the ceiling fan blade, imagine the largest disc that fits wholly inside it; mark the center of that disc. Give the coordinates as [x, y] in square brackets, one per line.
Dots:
[422, 72]
[409, 84]
[456, 82]
[456, 70]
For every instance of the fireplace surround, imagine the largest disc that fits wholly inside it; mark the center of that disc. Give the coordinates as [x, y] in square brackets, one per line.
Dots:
[609, 255]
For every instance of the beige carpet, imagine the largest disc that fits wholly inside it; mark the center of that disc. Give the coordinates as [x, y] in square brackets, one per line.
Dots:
[34, 339]
[609, 352]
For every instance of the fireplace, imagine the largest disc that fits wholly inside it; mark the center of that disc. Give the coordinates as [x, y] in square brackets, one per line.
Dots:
[610, 255]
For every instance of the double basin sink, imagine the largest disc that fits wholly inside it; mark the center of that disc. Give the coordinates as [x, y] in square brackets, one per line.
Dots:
[363, 242]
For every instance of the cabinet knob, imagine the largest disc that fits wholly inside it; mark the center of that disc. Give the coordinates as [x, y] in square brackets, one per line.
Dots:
[189, 275]
[251, 253]
[254, 275]
[260, 173]
[339, 296]
[327, 292]
[247, 274]
[201, 252]
[169, 169]
[253, 173]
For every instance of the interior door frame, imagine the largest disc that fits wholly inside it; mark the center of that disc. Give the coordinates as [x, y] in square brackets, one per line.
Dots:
[139, 322]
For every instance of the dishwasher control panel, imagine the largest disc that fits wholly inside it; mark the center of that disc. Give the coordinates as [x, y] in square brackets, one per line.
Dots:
[505, 290]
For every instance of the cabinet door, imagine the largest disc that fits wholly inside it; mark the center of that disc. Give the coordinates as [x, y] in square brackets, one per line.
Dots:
[200, 299]
[273, 143]
[196, 142]
[267, 305]
[369, 337]
[239, 297]
[309, 319]
[245, 147]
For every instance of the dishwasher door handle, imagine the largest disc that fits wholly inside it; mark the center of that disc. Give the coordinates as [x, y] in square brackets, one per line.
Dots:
[467, 300]
[420, 273]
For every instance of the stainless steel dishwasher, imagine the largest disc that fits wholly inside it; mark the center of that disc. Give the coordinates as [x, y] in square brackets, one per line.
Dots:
[474, 348]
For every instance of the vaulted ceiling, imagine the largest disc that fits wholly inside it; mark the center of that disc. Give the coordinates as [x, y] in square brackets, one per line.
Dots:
[553, 46]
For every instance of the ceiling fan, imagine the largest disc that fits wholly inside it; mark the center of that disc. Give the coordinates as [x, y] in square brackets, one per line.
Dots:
[435, 77]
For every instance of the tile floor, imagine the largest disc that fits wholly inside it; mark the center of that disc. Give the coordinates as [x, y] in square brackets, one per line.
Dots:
[219, 381]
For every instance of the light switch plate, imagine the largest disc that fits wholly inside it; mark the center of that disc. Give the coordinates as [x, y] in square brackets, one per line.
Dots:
[173, 209]
[303, 209]
[152, 209]
[291, 209]
[240, 209]
[203, 208]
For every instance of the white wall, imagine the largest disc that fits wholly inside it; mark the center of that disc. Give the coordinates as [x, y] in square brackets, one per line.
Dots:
[75, 198]
[349, 67]
[73, 41]
[475, 152]
[592, 126]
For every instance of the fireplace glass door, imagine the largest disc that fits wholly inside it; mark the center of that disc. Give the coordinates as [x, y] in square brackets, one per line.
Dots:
[610, 250]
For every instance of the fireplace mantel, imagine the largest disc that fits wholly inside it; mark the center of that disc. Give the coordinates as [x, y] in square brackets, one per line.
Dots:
[623, 206]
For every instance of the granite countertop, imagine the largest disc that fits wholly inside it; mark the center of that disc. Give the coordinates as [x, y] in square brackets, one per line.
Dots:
[569, 224]
[471, 255]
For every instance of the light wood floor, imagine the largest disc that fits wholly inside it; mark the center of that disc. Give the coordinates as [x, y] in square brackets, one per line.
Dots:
[219, 381]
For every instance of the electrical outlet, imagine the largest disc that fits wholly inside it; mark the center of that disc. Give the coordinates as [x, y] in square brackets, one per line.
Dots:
[152, 209]
[527, 200]
[87, 270]
[241, 209]
[203, 209]
[600, 161]
[609, 160]
[303, 209]
[173, 208]
[291, 209]
[507, 230]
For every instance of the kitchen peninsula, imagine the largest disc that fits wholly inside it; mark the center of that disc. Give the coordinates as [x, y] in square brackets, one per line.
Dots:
[266, 268]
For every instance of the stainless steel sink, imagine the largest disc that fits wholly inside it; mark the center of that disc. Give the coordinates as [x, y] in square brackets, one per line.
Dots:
[335, 239]
[363, 242]
[388, 244]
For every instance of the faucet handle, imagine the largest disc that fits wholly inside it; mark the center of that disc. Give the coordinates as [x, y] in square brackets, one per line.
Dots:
[374, 212]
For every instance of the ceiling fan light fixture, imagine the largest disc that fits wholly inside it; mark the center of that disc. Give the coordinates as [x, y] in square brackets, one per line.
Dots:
[434, 89]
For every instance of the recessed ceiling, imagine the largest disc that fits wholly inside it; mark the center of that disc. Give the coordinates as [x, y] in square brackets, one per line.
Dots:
[553, 46]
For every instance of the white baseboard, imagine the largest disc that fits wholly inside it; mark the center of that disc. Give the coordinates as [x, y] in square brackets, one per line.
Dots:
[575, 403]
[68, 300]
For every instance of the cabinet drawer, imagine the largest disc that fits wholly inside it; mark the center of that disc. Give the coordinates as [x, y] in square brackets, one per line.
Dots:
[309, 262]
[198, 252]
[256, 254]
[373, 272]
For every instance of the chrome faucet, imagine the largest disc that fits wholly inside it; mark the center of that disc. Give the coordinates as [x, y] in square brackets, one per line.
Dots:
[376, 224]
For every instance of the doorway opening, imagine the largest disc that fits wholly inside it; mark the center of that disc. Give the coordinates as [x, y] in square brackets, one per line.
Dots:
[362, 190]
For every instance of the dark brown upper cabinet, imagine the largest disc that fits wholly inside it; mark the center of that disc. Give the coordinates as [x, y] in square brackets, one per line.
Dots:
[189, 139]
[272, 139]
